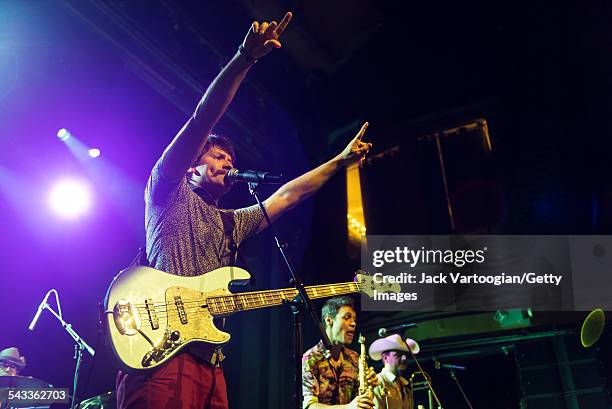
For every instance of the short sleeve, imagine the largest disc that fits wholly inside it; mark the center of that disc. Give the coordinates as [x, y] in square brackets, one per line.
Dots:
[247, 222]
[159, 187]
[310, 385]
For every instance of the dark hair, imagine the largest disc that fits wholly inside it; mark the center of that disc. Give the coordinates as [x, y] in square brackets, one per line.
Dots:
[220, 142]
[331, 306]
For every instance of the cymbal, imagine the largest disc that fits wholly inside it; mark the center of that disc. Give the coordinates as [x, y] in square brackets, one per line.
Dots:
[23, 382]
[104, 400]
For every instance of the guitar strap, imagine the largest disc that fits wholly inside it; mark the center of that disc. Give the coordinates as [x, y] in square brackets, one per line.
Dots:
[229, 223]
[140, 259]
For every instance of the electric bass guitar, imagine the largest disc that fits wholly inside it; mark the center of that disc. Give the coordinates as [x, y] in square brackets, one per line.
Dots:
[152, 315]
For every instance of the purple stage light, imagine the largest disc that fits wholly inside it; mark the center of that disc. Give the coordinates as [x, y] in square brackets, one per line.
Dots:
[63, 134]
[70, 198]
[94, 152]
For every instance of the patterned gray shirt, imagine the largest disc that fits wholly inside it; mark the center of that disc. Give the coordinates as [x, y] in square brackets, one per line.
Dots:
[185, 234]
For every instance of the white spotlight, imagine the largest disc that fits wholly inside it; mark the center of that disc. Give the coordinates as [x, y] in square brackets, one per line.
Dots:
[63, 134]
[94, 152]
[70, 198]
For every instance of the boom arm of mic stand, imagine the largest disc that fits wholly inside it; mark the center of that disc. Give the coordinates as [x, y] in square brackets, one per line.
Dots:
[79, 347]
[68, 327]
[305, 301]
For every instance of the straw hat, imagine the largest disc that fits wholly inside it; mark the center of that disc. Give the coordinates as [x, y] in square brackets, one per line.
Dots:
[12, 355]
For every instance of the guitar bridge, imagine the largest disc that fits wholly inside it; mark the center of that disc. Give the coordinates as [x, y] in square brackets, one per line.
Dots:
[127, 318]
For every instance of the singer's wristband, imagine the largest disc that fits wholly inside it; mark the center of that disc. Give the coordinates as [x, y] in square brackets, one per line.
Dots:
[247, 56]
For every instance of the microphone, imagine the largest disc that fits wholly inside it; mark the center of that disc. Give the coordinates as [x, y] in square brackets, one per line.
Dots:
[253, 176]
[396, 328]
[41, 307]
[439, 365]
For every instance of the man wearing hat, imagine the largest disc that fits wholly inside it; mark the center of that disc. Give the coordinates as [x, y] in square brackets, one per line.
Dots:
[393, 391]
[11, 362]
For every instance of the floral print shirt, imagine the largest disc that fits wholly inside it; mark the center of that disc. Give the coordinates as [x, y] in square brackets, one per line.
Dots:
[323, 383]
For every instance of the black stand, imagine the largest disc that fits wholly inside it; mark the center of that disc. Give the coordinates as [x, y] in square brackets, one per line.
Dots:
[78, 352]
[300, 302]
[78, 355]
[454, 376]
[425, 376]
[298, 347]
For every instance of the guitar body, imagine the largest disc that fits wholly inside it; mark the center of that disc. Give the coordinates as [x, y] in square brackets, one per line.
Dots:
[152, 315]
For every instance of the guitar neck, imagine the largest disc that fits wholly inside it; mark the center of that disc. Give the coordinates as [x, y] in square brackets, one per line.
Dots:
[226, 304]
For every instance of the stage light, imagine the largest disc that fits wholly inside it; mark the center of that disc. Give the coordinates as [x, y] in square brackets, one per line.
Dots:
[70, 198]
[94, 152]
[63, 134]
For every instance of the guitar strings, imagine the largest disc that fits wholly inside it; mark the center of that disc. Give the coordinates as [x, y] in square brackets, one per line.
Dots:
[146, 323]
[229, 303]
[248, 299]
[323, 289]
[223, 302]
[314, 289]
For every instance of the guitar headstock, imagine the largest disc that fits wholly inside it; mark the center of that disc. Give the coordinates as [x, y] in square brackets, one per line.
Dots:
[367, 285]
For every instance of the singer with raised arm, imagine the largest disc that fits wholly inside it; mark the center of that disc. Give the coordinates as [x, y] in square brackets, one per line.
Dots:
[331, 378]
[187, 234]
[393, 390]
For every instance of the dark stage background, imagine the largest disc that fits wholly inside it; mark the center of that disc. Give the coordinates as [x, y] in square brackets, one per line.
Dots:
[123, 76]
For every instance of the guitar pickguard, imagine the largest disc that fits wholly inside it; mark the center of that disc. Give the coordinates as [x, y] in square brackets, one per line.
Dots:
[188, 315]
[187, 319]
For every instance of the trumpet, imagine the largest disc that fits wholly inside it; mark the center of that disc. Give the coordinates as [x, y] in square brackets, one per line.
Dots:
[423, 384]
[364, 387]
[419, 385]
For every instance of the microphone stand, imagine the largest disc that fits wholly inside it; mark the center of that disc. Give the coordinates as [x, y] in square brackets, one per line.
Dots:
[454, 376]
[302, 301]
[431, 389]
[79, 347]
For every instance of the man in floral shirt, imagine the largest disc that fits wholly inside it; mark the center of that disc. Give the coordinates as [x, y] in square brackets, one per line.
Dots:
[335, 381]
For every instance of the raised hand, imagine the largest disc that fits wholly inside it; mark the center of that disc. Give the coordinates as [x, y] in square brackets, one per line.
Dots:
[263, 37]
[356, 149]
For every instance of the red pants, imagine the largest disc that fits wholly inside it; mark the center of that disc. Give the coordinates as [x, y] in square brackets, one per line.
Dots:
[182, 383]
